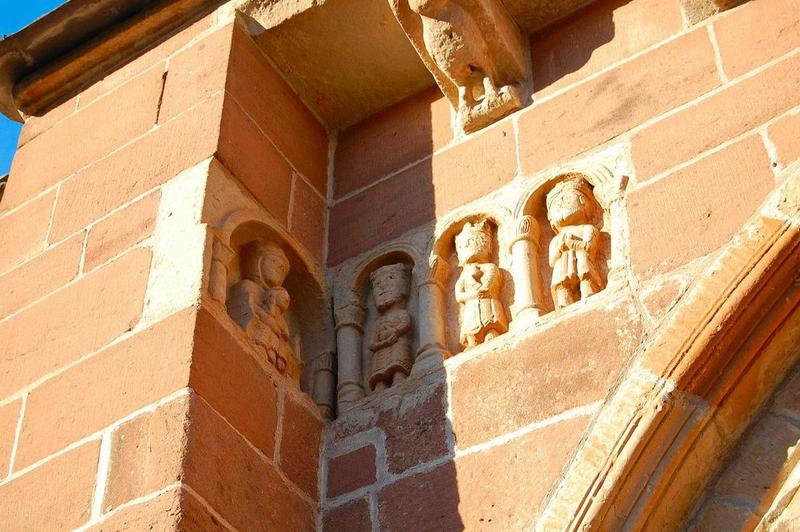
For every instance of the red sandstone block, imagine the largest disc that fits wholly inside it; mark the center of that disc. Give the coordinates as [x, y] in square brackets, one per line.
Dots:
[276, 109]
[49, 271]
[600, 35]
[416, 428]
[53, 332]
[406, 132]
[86, 136]
[36, 125]
[147, 453]
[23, 232]
[234, 383]
[431, 188]
[616, 101]
[353, 516]
[711, 122]
[309, 217]
[57, 495]
[573, 363]
[111, 385]
[787, 400]
[659, 295]
[300, 446]
[9, 417]
[122, 230]
[196, 73]
[785, 134]
[139, 167]
[236, 480]
[255, 162]
[351, 471]
[176, 510]
[693, 211]
[504, 487]
[756, 33]
[146, 60]
[425, 501]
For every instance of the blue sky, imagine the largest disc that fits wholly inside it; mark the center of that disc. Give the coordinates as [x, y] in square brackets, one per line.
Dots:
[15, 15]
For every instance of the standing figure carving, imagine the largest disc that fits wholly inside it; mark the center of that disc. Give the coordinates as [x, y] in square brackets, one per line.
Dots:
[390, 343]
[478, 287]
[259, 303]
[474, 51]
[571, 209]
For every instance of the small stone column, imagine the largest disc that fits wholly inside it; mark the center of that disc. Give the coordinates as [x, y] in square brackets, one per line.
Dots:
[528, 296]
[323, 391]
[221, 257]
[349, 338]
[432, 351]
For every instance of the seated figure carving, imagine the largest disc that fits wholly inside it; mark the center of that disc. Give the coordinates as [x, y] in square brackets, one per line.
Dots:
[390, 343]
[571, 207]
[259, 303]
[478, 287]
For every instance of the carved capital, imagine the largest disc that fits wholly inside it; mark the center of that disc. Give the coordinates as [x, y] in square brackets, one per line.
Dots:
[437, 272]
[351, 314]
[324, 362]
[527, 229]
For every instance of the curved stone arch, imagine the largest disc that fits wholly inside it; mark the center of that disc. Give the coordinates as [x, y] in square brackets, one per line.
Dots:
[607, 186]
[694, 387]
[379, 256]
[305, 282]
[450, 224]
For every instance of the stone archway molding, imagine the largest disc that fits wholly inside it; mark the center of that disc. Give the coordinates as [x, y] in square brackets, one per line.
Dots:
[694, 386]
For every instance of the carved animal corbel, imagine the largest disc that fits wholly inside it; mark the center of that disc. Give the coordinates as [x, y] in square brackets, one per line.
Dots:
[475, 52]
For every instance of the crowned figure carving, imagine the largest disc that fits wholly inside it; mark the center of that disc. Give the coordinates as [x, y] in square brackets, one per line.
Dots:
[259, 303]
[571, 209]
[390, 343]
[475, 52]
[478, 287]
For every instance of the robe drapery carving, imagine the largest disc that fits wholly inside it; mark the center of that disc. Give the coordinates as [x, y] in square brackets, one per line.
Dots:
[390, 343]
[475, 52]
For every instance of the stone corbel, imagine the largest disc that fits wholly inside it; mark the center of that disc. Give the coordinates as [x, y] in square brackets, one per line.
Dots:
[528, 291]
[431, 290]
[349, 338]
[475, 52]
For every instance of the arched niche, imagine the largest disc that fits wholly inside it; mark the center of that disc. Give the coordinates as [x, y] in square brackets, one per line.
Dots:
[605, 190]
[357, 316]
[308, 315]
[444, 270]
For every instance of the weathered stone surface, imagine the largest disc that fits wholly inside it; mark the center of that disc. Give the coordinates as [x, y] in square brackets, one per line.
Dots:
[692, 212]
[425, 501]
[123, 229]
[353, 516]
[577, 360]
[43, 274]
[598, 36]
[24, 231]
[147, 453]
[770, 30]
[301, 441]
[116, 382]
[110, 298]
[56, 495]
[9, 418]
[350, 471]
[785, 134]
[309, 218]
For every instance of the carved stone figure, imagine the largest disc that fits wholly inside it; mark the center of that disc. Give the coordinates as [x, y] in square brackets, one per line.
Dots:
[478, 287]
[571, 207]
[390, 343]
[473, 49]
[258, 303]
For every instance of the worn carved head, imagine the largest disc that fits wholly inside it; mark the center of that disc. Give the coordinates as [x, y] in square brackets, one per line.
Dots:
[474, 243]
[265, 263]
[570, 202]
[426, 7]
[390, 284]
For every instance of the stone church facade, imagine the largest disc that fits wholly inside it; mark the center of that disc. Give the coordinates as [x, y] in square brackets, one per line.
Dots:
[356, 265]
